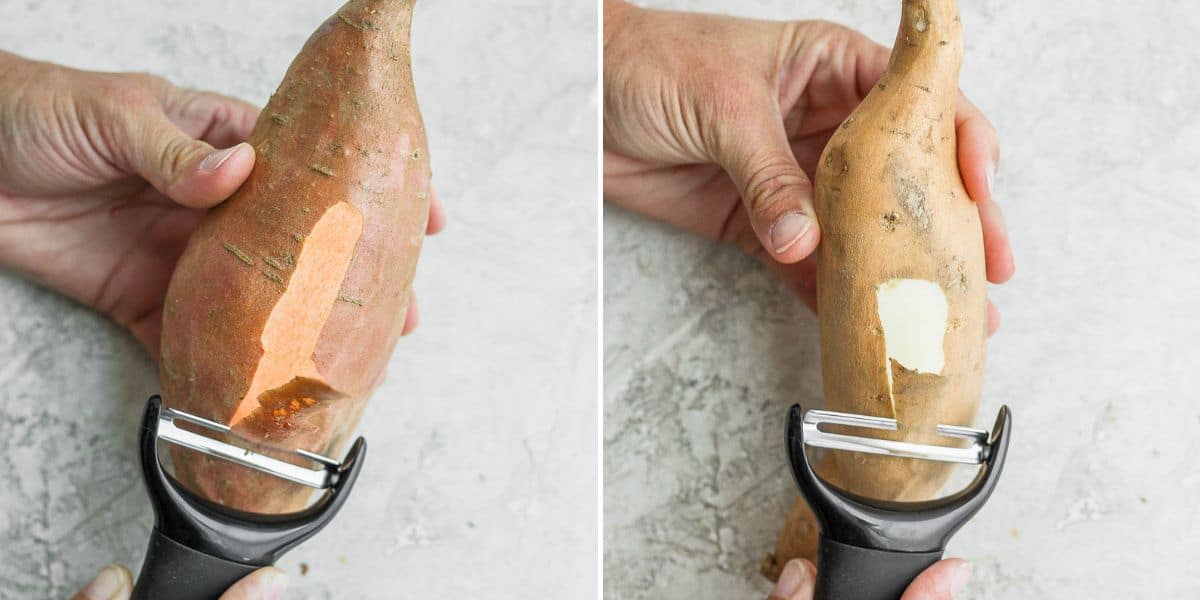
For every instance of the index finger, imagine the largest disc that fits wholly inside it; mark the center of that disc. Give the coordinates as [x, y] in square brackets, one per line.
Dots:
[219, 120]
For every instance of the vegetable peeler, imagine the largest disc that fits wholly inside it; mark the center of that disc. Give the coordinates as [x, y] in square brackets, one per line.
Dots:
[198, 549]
[872, 549]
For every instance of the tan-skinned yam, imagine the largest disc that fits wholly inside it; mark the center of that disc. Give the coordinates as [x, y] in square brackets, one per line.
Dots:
[900, 271]
[289, 298]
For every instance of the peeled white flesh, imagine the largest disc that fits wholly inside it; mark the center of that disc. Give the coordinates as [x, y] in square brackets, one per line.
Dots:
[913, 314]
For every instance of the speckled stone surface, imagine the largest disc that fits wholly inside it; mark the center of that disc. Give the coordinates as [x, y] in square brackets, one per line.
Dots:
[481, 478]
[703, 350]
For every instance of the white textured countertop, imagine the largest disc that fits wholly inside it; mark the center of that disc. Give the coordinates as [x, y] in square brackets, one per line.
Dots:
[1097, 356]
[480, 480]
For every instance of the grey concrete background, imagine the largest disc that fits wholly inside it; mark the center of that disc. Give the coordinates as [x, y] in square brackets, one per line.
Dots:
[704, 350]
[481, 478]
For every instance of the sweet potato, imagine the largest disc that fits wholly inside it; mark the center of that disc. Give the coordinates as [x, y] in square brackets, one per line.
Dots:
[901, 283]
[289, 299]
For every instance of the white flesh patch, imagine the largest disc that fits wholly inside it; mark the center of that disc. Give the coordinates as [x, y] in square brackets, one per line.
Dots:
[913, 315]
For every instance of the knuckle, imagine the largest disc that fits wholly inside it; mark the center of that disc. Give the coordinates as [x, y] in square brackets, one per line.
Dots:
[828, 27]
[115, 111]
[771, 183]
[173, 157]
[137, 92]
[125, 97]
[193, 105]
[839, 42]
[146, 81]
[836, 35]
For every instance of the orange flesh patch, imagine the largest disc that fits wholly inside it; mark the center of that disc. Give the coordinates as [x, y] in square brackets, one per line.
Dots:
[292, 329]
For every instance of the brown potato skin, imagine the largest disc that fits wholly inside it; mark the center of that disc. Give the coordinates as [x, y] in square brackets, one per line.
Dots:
[344, 126]
[891, 204]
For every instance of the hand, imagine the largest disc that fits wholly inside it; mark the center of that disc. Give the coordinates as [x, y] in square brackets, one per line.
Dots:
[942, 581]
[104, 176]
[115, 583]
[713, 124]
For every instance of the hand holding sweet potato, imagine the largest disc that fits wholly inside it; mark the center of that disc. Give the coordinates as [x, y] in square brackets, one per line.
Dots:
[104, 176]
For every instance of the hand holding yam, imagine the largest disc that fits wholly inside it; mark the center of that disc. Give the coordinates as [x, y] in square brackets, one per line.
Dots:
[892, 244]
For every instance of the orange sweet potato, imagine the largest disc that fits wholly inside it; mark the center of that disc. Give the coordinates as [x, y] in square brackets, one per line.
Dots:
[288, 301]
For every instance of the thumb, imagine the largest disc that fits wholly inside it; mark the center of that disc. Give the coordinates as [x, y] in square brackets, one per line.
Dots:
[943, 581]
[776, 192]
[186, 170]
[112, 583]
[267, 583]
[796, 582]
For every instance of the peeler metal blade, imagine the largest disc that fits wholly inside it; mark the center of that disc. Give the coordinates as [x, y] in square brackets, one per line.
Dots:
[320, 478]
[973, 454]
[923, 526]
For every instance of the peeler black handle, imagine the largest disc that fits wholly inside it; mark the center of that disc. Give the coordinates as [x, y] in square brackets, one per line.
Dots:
[172, 570]
[872, 549]
[198, 548]
[846, 572]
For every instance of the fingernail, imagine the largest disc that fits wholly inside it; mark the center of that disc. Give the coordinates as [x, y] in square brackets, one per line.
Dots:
[959, 579]
[991, 178]
[107, 584]
[213, 161]
[793, 576]
[274, 584]
[788, 230]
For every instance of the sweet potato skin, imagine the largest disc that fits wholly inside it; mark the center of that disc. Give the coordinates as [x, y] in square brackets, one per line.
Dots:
[892, 205]
[342, 139]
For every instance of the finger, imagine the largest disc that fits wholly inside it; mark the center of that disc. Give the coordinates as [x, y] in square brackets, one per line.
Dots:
[267, 583]
[997, 251]
[186, 170]
[796, 582]
[850, 66]
[993, 318]
[147, 329]
[437, 214]
[801, 277]
[219, 120]
[868, 59]
[776, 192]
[872, 62]
[943, 581]
[978, 156]
[413, 317]
[114, 582]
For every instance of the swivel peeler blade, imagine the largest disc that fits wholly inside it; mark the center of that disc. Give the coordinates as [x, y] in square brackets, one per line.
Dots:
[320, 478]
[975, 453]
